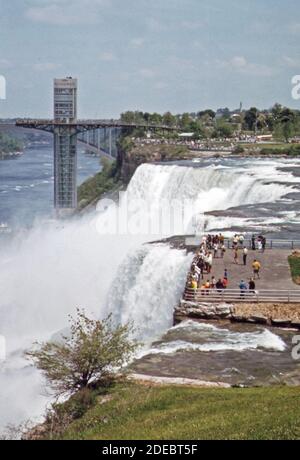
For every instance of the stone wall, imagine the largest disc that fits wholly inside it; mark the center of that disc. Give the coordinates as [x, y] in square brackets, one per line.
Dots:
[276, 315]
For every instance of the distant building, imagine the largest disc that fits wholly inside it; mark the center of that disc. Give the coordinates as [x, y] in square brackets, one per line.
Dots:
[264, 138]
[186, 135]
[65, 99]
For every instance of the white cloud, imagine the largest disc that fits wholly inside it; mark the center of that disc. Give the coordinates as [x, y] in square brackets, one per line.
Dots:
[5, 64]
[147, 73]
[293, 63]
[107, 57]
[239, 62]
[137, 42]
[63, 12]
[241, 65]
[294, 28]
[192, 25]
[45, 66]
[160, 85]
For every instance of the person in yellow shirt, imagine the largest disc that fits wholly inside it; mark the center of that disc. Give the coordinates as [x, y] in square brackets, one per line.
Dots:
[256, 269]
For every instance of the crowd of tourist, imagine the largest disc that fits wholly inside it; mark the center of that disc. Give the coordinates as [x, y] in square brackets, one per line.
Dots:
[200, 279]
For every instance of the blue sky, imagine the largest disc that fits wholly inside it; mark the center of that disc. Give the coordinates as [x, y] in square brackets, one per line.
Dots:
[158, 55]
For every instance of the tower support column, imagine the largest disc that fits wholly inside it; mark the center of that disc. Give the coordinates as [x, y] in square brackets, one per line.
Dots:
[65, 169]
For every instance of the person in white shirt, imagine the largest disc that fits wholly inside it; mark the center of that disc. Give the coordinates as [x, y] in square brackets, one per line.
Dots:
[245, 254]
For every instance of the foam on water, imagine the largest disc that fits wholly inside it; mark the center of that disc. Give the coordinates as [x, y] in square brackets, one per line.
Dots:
[219, 339]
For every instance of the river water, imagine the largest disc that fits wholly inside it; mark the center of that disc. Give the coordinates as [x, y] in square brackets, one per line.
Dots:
[26, 185]
[50, 268]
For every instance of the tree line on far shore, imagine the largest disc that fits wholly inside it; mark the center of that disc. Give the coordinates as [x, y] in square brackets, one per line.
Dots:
[282, 122]
[9, 144]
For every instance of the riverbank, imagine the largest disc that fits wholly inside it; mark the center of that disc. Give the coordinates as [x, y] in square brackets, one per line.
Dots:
[10, 155]
[150, 411]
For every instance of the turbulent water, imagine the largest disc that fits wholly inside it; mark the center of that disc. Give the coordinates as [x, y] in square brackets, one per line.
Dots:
[54, 267]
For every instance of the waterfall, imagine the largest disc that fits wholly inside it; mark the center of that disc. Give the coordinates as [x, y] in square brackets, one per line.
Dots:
[147, 287]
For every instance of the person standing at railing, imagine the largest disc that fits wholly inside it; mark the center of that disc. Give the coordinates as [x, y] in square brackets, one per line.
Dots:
[236, 256]
[259, 245]
[222, 250]
[256, 269]
[194, 287]
[245, 255]
[225, 283]
[207, 287]
[253, 243]
[252, 286]
[243, 288]
[209, 262]
[220, 286]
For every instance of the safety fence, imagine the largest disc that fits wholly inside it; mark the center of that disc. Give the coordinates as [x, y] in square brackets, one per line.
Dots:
[270, 244]
[236, 295]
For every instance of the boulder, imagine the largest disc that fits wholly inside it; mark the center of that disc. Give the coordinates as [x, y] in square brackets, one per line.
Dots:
[239, 318]
[281, 322]
[259, 319]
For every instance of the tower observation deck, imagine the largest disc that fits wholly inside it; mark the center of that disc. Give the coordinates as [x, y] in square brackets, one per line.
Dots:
[65, 144]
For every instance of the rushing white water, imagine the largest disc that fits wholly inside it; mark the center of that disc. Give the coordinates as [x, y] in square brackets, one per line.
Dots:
[214, 187]
[52, 269]
[206, 338]
[147, 287]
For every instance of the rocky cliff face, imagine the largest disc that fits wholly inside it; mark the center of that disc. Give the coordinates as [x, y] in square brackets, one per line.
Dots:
[130, 159]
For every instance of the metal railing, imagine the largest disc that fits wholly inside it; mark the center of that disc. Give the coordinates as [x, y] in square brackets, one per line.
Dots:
[270, 244]
[236, 295]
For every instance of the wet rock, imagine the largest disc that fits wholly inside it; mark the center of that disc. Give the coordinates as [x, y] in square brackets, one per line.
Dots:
[259, 319]
[239, 318]
[281, 322]
[223, 311]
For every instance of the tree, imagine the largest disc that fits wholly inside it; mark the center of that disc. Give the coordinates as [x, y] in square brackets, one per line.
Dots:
[169, 119]
[185, 121]
[287, 121]
[155, 119]
[250, 119]
[198, 129]
[128, 117]
[89, 355]
[222, 129]
[209, 113]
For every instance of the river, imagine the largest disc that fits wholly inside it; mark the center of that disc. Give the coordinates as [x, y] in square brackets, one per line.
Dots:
[53, 267]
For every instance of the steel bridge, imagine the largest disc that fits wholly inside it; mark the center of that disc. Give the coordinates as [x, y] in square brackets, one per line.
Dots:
[66, 135]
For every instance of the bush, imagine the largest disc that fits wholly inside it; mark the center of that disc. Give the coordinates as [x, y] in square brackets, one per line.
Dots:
[238, 150]
[94, 349]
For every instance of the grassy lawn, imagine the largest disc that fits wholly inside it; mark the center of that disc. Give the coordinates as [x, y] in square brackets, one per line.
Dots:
[295, 268]
[273, 145]
[274, 148]
[139, 412]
